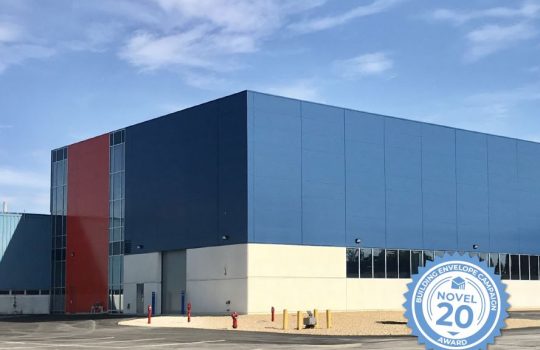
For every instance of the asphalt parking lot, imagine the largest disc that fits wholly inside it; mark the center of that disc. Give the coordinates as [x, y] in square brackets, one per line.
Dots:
[104, 333]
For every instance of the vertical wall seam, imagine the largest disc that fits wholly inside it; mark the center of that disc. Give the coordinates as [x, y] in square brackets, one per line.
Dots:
[345, 175]
[218, 173]
[301, 173]
[456, 184]
[385, 186]
[422, 183]
[516, 191]
[488, 191]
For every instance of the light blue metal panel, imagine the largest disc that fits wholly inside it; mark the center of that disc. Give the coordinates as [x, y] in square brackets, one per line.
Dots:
[404, 219]
[528, 172]
[503, 219]
[439, 187]
[502, 158]
[323, 214]
[275, 104]
[277, 159]
[438, 139]
[365, 174]
[277, 211]
[472, 190]
[403, 183]
[471, 158]
[473, 217]
[323, 175]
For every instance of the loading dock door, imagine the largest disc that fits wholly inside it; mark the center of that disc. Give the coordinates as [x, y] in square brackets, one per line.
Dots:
[140, 298]
[173, 280]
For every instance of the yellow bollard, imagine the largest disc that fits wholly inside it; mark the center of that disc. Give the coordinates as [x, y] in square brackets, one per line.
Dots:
[285, 319]
[298, 320]
[316, 315]
[328, 319]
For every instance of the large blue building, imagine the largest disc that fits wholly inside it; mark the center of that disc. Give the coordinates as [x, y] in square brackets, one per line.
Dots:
[254, 200]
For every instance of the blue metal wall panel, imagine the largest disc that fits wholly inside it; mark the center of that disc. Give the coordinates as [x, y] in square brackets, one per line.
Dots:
[25, 259]
[325, 176]
[528, 171]
[277, 170]
[503, 195]
[439, 187]
[186, 178]
[403, 162]
[365, 174]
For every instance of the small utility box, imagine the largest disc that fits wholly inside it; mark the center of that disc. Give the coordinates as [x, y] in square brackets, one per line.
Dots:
[310, 321]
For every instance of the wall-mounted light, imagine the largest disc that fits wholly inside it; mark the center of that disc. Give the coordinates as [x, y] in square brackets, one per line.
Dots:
[357, 241]
[140, 246]
[225, 237]
[475, 246]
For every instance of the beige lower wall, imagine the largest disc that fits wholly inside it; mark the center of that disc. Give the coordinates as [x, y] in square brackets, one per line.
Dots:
[524, 295]
[260, 276]
[216, 279]
[376, 294]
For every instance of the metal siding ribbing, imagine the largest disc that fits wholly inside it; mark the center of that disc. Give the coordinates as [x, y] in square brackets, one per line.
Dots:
[325, 176]
[186, 178]
[23, 236]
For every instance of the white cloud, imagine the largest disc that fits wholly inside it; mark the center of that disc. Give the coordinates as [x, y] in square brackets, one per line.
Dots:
[207, 34]
[199, 47]
[9, 32]
[17, 53]
[363, 65]
[495, 112]
[304, 89]
[528, 9]
[18, 178]
[492, 38]
[322, 23]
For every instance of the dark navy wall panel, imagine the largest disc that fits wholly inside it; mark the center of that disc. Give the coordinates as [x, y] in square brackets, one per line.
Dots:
[186, 178]
[323, 175]
[26, 261]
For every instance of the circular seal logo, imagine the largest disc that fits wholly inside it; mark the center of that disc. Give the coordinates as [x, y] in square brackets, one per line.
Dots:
[456, 302]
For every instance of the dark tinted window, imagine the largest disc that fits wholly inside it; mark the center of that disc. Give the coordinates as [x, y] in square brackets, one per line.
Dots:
[352, 263]
[416, 261]
[428, 256]
[404, 264]
[524, 263]
[366, 263]
[391, 263]
[378, 263]
[483, 256]
[534, 267]
[494, 262]
[504, 260]
[514, 267]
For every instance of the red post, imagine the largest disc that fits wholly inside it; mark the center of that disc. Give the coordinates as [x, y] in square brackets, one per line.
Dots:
[149, 314]
[189, 312]
[273, 313]
[234, 316]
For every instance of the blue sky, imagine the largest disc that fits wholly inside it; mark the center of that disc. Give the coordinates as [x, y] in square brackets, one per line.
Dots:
[74, 69]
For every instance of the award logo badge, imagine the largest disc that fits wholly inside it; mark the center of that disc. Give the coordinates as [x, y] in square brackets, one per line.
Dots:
[456, 303]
